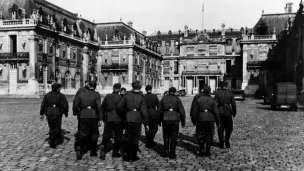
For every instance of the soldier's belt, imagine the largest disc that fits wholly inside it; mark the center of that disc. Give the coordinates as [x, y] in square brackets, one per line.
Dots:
[54, 105]
[170, 110]
[205, 110]
[88, 107]
[152, 107]
[134, 110]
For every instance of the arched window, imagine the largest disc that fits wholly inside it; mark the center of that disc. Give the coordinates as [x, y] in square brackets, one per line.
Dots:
[57, 76]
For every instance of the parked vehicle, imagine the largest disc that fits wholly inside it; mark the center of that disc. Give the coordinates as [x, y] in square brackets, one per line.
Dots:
[285, 96]
[260, 93]
[269, 94]
[181, 92]
[238, 94]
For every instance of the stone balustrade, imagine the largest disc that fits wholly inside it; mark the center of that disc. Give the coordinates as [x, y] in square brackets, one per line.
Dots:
[17, 23]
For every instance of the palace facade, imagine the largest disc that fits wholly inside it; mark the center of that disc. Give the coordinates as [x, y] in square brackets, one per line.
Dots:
[193, 58]
[41, 43]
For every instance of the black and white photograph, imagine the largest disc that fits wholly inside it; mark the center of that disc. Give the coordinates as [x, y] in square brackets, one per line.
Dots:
[151, 85]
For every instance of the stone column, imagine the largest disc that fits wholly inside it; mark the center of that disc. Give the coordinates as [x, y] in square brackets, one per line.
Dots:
[245, 76]
[33, 56]
[99, 60]
[85, 63]
[33, 85]
[130, 68]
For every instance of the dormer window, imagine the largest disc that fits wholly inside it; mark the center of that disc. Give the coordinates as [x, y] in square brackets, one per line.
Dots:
[14, 15]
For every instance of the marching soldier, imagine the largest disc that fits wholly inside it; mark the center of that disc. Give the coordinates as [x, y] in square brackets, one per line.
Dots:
[152, 106]
[227, 109]
[54, 105]
[113, 122]
[203, 114]
[133, 84]
[75, 113]
[172, 112]
[200, 94]
[136, 114]
[123, 91]
[89, 105]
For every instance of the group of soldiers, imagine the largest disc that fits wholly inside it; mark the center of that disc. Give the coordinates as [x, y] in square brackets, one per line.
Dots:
[124, 112]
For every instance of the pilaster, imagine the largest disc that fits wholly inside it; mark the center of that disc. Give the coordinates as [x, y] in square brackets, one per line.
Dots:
[245, 73]
[130, 67]
[85, 63]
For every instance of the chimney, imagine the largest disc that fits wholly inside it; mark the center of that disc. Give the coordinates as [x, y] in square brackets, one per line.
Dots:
[144, 32]
[288, 7]
[130, 24]
[186, 31]
[223, 30]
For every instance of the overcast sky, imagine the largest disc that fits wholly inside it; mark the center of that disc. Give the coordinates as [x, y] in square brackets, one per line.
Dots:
[165, 15]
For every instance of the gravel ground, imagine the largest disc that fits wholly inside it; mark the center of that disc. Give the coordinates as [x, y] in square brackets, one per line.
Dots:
[262, 140]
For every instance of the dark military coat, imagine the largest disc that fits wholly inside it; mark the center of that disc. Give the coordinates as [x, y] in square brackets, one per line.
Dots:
[80, 90]
[109, 108]
[226, 102]
[134, 105]
[172, 109]
[89, 105]
[54, 104]
[204, 109]
[153, 105]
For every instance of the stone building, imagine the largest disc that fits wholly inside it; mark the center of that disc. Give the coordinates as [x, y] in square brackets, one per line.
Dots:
[41, 43]
[260, 63]
[193, 58]
[289, 51]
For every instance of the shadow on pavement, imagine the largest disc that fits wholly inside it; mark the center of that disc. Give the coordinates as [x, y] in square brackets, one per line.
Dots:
[158, 148]
[190, 143]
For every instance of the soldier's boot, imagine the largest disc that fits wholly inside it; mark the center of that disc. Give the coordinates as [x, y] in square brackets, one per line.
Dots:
[134, 156]
[127, 152]
[166, 146]
[115, 152]
[227, 138]
[201, 148]
[221, 139]
[102, 152]
[79, 150]
[208, 148]
[76, 144]
[172, 154]
[93, 151]
[148, 136]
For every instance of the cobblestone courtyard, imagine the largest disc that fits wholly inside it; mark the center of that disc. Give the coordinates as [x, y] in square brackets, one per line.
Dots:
[262, 140]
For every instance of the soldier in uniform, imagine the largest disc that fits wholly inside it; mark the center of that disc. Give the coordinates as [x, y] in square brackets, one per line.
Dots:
[172, 112]
[89, 105]
[152, 105]
[135, 108]
[54, 105]
[80, 90]
[203, 114]
[113, 122]
[133, 84]
[123, 91]
[227, 109]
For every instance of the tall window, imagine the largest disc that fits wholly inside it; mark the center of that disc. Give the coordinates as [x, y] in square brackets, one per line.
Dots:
[167, 47]
[175, 67]
[228, 66]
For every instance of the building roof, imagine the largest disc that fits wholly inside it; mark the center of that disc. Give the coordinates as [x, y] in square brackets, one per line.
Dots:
[229, 33]
[274, 21]
[118, 28]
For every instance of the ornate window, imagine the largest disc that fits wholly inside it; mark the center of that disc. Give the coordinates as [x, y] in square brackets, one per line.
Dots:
[74, 55]
[168, 44]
